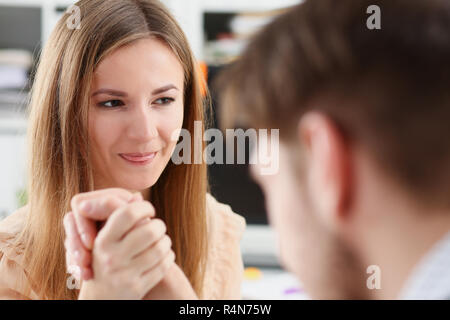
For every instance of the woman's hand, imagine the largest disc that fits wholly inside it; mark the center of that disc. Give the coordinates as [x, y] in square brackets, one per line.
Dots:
[129, 259]
[81, 225]
[174, 285]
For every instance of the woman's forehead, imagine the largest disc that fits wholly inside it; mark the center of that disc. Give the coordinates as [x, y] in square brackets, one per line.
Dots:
[148, 61]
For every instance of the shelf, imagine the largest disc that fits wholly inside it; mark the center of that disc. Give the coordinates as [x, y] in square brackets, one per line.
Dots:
[189, 14]
[249, 5]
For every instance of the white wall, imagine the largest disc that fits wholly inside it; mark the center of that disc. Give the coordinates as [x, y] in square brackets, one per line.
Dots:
[189, 13]
[12, 161]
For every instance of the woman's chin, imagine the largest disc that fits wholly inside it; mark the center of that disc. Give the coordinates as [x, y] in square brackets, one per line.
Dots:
[148, 183]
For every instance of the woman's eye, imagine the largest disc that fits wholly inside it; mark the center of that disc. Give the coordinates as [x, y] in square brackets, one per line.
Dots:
[111, 103]
[165, 100]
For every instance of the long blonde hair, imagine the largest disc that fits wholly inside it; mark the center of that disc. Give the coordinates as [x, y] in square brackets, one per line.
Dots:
[59, 161]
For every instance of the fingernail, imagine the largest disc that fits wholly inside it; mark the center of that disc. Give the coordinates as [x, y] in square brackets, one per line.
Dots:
[85, 206]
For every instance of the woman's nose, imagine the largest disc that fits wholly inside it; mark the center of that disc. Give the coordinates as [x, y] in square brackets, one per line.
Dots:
[142, 125]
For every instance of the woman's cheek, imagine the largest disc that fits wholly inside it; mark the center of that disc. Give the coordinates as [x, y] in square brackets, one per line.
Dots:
[104, 134]
[172, 124]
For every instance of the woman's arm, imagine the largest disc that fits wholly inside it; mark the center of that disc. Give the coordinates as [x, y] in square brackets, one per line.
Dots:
[13, 279]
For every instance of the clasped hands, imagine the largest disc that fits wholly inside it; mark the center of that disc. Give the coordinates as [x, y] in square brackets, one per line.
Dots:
[129, 257]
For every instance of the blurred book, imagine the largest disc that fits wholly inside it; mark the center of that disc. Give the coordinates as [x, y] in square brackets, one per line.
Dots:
[14, 68]
[229, 33]
[245, 25]
[12, 77]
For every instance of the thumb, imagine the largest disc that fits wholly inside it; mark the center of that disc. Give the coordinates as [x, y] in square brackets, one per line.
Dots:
[137, 196]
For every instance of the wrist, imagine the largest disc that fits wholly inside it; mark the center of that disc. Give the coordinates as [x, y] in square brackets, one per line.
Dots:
[174, 286]
[88, 292]
[177, 283]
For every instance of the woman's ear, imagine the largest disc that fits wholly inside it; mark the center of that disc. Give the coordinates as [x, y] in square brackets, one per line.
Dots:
[327, 163]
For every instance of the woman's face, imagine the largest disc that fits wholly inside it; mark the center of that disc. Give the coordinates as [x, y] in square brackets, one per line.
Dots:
[136, 103]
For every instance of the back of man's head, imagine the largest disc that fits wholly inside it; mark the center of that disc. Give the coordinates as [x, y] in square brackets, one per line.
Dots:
[386, 89]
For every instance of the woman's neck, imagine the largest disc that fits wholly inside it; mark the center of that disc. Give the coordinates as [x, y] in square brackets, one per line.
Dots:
[146, 194]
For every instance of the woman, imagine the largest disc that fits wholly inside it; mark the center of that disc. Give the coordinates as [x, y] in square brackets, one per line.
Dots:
[106, 92]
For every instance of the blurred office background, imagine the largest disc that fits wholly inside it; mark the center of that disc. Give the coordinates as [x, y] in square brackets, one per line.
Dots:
[218, 31]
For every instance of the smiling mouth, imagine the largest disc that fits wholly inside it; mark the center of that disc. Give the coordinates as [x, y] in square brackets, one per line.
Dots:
[138, 158]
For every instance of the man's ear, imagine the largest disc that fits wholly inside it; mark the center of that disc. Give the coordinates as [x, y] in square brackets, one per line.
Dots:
[328, 166]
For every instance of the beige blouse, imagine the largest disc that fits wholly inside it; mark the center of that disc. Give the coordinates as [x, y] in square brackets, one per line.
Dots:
[224, 267]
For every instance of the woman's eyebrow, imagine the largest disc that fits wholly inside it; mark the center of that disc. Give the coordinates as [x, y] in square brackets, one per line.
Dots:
[164, 89]
[118, 93]
[111, 92]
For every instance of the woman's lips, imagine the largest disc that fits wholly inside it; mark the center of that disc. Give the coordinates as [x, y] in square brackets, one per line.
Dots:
[138, 158]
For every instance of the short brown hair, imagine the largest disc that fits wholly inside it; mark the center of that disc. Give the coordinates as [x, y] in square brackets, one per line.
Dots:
[386, 89]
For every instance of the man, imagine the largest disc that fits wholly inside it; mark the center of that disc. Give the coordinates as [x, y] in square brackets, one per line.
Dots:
[361, 201]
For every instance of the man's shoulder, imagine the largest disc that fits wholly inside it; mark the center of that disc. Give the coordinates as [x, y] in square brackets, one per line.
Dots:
[430, 278]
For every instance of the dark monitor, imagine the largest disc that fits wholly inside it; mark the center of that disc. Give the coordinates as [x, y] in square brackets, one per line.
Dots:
[20, 27]
[231, 183]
